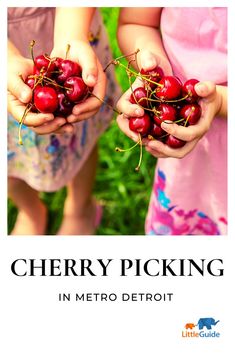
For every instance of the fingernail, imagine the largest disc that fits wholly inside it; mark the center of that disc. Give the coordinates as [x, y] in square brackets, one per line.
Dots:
[49, 118]
[76, 111]
[138, 112]
[91, 79]
[165, 126]
[24, 96]
[150, 63]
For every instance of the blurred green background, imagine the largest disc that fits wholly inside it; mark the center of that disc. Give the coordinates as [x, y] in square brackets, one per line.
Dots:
[124, 192]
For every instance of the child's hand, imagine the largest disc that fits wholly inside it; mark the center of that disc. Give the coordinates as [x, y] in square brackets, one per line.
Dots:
[210, 103]
[92, 74]
[148, 61]
[19, 94]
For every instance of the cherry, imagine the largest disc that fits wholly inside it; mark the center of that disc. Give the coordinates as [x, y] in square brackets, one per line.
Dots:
[37, 71]
[156, 131]
[164, 112]
[45, 99]
[139, 96]
[174, 142]
[191, 113]
[44, 62]
[154, 75]
[65, 107]
[189, 89]
[30, 81]
[141, 125]
[68, 68]
[169, 88]
[76, 89]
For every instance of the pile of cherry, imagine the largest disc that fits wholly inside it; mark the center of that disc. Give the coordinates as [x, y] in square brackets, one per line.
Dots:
[164, 99]
[57, 86]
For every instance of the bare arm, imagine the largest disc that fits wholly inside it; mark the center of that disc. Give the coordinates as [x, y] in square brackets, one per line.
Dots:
[72, 23]
[139, 28]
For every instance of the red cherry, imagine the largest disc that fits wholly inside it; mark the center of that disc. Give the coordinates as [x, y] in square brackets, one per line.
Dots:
[68, 68]
[164, 112]
[170, 88]
[44, 62]
[76, 88]
[189, 89]
[141, 125]
[156, 131]
[191, 113]
[37, 72]
[30, 81]
[154, 75]
[45, 99]
[65, 107]
[174, 142]
[139, 96]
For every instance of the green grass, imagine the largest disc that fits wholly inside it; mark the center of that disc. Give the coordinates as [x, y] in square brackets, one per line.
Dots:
[124, 192]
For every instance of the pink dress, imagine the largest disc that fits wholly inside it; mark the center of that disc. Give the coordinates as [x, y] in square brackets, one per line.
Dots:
[189, 195]
[48, 162]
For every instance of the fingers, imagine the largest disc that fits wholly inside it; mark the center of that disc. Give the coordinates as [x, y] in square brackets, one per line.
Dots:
[66, 128]
[205, 89]
[88, 62]
[18, 88]
[148, 60]
[159, 149]
[188, 133]
[17, 110]
[124, 105]
[91, 105]
[50, 127]
[123, 124]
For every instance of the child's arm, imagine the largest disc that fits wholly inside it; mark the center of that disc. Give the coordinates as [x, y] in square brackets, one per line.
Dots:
[72, 26]
[138, 28]
[214, 98]
[19, 94]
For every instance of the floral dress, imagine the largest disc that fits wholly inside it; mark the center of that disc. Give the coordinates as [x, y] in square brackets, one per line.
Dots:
[49, 162]
[189, 195]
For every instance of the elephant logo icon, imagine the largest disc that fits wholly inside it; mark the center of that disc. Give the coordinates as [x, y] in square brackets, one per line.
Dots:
[207, 322]
[190, 326]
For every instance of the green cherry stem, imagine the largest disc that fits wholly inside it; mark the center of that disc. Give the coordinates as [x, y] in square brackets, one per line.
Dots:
[27, 110]
[31, 45]
[141, 154]
[186, 121]
[113, 62]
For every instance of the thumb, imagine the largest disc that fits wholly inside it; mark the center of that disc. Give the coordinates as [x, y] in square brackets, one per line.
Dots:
[19, 89]
[205, 89]
[148, 60]
[88, 62]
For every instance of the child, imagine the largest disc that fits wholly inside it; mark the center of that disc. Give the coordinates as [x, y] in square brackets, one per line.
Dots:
[56, 151]
[189, 194]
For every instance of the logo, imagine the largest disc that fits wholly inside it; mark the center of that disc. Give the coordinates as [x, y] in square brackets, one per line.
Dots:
[205, 328]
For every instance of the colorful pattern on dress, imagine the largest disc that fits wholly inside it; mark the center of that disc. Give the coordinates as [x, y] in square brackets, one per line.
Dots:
[170, 219]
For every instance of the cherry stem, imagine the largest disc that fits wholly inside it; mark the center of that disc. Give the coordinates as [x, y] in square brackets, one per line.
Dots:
[176, 100]
[121, 57]
[118, 149]
[67, 51]
[116, 62]
[31, 45]
[27, 109]
[186, 121]
[141, 154]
